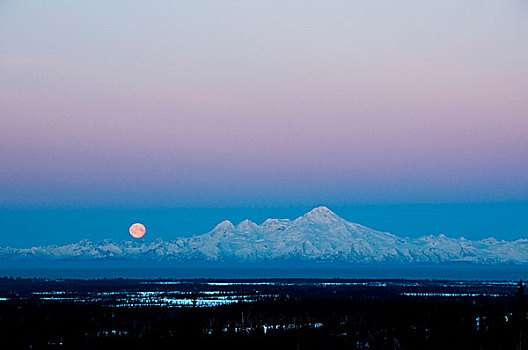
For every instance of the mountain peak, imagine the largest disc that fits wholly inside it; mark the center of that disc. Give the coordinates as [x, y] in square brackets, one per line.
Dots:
[246, 224]
[321, 209]
[224, 225]
[321, 212]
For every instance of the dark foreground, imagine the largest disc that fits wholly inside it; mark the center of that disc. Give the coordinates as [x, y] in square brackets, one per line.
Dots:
[256, 314]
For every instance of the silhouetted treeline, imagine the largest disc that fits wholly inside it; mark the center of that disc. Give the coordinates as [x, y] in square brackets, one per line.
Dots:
[298, 317]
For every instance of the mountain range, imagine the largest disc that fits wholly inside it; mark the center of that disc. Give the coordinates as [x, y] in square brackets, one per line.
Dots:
[319, 235]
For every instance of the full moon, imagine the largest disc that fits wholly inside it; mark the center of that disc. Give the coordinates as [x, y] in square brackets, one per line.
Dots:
[137, 230]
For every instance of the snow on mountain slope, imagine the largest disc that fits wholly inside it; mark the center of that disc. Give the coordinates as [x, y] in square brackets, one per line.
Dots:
[319, 235]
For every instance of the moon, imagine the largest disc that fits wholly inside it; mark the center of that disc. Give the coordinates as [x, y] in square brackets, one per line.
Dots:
[137, 230]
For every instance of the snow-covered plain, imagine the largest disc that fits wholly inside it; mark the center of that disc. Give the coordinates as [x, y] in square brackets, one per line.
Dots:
[319, 235]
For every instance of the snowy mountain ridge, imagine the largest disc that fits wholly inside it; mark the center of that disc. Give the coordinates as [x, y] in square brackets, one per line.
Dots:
[319, 235]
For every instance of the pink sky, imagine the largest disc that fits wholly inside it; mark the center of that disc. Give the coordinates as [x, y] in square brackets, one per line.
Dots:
[174, 103]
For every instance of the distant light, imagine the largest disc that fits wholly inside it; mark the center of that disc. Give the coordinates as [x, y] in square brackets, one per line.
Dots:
[137, 230]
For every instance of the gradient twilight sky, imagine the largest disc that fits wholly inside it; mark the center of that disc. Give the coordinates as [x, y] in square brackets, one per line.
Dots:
[276, 104]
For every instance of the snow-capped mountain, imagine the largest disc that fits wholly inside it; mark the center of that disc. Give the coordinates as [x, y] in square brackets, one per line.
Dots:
[319, 235]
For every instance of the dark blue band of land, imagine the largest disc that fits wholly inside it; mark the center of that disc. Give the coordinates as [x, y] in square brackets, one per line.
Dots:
[153, 270]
